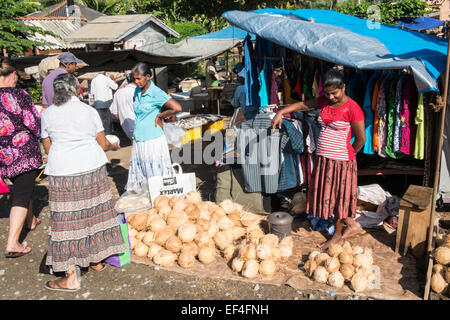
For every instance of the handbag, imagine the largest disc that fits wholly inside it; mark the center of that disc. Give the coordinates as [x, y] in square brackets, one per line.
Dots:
[3, 187]
[175, 185]
[124, 258]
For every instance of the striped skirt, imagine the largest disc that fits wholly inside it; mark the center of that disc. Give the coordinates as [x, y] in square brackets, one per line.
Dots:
[84, 227]
[333, 189]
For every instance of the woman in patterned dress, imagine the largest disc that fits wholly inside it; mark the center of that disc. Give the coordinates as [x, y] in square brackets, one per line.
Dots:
[84, 228]
[20, 154]
[333, 187]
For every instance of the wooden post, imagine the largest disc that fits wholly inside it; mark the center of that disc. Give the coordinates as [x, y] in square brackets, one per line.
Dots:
[436, 178]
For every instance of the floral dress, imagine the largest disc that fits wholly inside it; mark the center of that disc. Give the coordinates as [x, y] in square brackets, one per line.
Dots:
[20, 129]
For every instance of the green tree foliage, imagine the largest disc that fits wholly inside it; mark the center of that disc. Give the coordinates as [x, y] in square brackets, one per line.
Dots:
[187, 29]
[390, 11]
[14, 33]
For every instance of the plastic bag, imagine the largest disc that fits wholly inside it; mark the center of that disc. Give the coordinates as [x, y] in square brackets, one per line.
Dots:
[174, 134]
[133, 201]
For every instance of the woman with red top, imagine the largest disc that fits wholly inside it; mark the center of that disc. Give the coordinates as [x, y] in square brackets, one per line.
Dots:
[333, 187]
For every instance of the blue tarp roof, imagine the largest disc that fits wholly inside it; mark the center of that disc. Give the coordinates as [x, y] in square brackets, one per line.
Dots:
[230, 32]
[348, 40]
[421, 23]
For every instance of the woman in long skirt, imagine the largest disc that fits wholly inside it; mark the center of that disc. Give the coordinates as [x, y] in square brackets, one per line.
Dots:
[84, 228]
[333, 189]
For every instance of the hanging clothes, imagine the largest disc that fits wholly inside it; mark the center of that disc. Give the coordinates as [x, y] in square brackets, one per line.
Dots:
[274, 99]
[419, 149]
[382, 116]
[398, 121]
[356, 87]
[368, 112]
[299, 84]
[407, 117]
[263, 87]
[251, 75]
[316, 83]
[287, 90]
[308, 79]
[376, 121]
[391, 109]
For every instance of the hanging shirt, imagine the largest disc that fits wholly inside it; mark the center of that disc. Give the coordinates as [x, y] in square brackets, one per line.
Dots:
[398, 107]
[376, 120]
[419, 150]
[274, 89]
[335, 133]
[368, 112]
[146, 107]
[407, 117]
[263, 90]
[251, 76]
[391, 109]
[355, 87]
[382, 116]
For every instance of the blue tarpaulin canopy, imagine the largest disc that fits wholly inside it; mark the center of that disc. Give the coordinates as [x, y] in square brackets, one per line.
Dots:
[421, 23]
[348, 40]
[230, 32]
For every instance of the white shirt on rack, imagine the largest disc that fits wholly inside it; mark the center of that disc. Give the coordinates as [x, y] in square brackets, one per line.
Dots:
[72, 129]
[123, 106]
[102, 90]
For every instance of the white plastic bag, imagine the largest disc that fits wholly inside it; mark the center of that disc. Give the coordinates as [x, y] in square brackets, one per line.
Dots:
[174, 134]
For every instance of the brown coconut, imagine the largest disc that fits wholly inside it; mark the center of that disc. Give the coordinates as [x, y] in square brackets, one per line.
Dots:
[359, 281]
[247, 252]
[133, 242]
[334, 250]
[207, 255]
[227, 206]
[238, 232]
[237, 264]
[270, 239]
[177, 218]
[163, 235]
[336, 279]
[263, 251]
[309, 267]
[347, 248]
[249, 219]
[225, 223]
[140, 250]
[345, 258]
[140, 221]
[236, 218]
[164, 211]
[157, 224]
[321, 258]
[174, 244]
[255, 236]
[347, 270]
[194, 212]
[222, 240]
[187, 232]
[161, 201]
[204, 239]
[140, 235]
[332, 264]
[250, 269]
[165, 258]
[153, 250]
[320, 274]
[194, 197]
[192, 247]
[186, 259]
[438, 283]
[229, 252]
[218, 214]
[267, 268]
[148, 238]
[213, 228]
[203, 224]
[441, 255]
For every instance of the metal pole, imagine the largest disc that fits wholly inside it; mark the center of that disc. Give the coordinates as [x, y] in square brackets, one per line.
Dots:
[436, 176]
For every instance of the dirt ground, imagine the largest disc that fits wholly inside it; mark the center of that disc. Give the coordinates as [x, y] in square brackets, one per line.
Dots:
[21, 278]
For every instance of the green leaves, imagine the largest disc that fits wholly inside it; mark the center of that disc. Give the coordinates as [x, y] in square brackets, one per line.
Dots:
[390, 11]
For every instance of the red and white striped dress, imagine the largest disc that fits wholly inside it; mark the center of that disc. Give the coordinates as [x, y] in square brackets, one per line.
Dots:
[335, 133]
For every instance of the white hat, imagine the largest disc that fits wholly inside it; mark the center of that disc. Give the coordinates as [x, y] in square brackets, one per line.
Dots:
[242, 73]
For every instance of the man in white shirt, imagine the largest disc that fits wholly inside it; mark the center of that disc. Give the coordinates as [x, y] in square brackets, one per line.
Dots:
[102, 93]
[122, 106]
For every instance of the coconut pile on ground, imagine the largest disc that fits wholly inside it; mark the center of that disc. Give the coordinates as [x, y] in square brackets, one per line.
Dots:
[440, 280]
[342, 264]
[185, 229]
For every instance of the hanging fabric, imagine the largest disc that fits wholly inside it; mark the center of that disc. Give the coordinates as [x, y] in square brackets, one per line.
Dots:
[391, 107]
[398, 121]
[274, 99]
[407, 117]
[368, 112]
[419, 149]
[286, 86]
[376, 121]
[382, 117]
[251, 75]
[263, 89]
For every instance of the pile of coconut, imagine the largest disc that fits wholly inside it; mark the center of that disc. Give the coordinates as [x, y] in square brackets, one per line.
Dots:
[183, 229]
[340, 265]
[440, 280]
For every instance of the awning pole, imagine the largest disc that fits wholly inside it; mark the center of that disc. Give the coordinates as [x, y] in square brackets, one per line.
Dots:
[436, 177]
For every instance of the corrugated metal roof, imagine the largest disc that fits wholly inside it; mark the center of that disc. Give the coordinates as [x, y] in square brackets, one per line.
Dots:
[59, 10]
[62, 28]
[108, 29]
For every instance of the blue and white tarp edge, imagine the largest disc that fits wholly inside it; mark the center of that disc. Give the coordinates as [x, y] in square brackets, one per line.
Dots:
[334, 44]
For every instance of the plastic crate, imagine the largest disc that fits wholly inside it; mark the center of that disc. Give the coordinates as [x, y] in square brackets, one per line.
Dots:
[191, 135]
